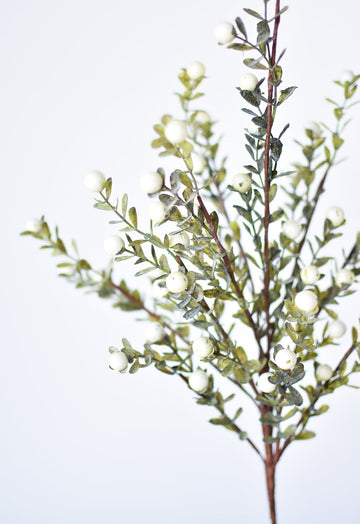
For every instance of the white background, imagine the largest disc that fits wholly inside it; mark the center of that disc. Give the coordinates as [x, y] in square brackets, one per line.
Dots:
[82, 84]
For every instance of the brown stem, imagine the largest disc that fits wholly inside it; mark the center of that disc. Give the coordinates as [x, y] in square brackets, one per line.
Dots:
[229, 269]
[270, 484]
[241, 249]
[269, 122]
[151, 314]
[306, 415]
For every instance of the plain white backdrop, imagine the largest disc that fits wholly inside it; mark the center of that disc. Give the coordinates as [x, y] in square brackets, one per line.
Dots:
[82, 84]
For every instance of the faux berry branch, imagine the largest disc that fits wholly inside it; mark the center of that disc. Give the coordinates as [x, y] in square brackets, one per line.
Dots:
[219, 261]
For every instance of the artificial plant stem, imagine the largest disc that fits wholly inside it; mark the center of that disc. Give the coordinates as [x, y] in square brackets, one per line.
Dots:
[306, 415]
[270, 484]
[267, 429]
[229, 269]
[269, 122]
[151, 314]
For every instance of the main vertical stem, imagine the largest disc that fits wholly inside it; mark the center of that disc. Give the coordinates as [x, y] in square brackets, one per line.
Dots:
[270, 484]
[267, 429]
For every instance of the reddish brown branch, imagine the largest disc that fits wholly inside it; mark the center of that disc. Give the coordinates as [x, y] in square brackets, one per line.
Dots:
[306, 415]
[230, 272]
[151, 314]
[269, 123]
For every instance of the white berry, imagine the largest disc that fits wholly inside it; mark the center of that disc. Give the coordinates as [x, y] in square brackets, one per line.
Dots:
[254, 129]
[314, 127]
[180, 238]
[199, 164]
[95, 181]
[291, 229]
[264, 384]
[248, 82]
[34, 225]
[285, 359]
[67, 270]
[241, 182]
[176, 282]
[306, 301]
[199, 381]
[157, 211]
[310, 274]
[195, 71]
[151, 182]
[344, 277]
[224, 33]
[323, 372]
[335, 215]
[336, 329]
[113, 245]
[154, 333]
[203, 347]
[118, 361]
[202, 118]
[347, 76]
[175, 131]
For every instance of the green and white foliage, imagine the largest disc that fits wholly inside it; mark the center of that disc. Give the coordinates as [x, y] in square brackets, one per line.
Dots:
[228, 303]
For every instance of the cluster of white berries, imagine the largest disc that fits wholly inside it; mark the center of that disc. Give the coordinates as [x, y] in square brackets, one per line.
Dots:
[176, 282]
[241, 182]
[118, 361]
[285, 359]
[306, 301]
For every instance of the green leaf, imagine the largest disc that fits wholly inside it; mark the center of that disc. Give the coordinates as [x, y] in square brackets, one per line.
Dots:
[103, 206]
[133, 216]
[286, 93]
[124, 204]
[305, 435]
[134, 368]
[263, 31]
[354, 335]
[83, 264]
[241, 26]
[239, 47]
[276, 215]
[337, 141]
[251, 12]
[254, 63]
[108, 187]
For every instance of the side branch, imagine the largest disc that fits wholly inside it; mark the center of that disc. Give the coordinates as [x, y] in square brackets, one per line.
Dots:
[230, 271]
